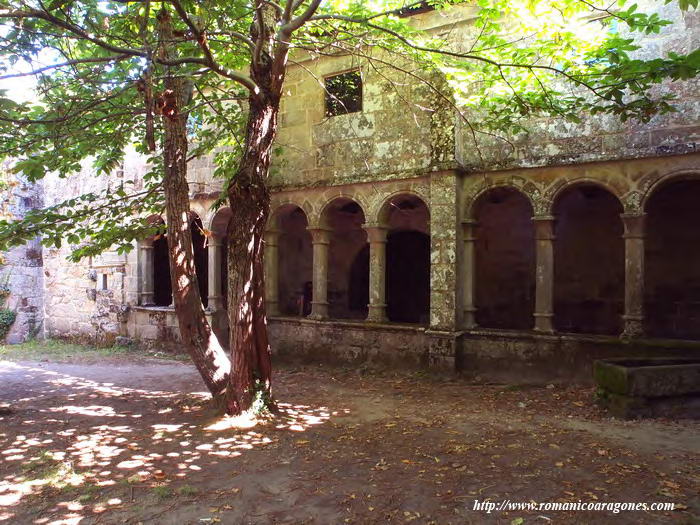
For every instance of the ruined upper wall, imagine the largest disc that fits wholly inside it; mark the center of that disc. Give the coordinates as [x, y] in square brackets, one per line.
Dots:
[600, 138]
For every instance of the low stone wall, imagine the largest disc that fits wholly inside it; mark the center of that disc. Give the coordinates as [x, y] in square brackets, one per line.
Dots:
[528, 357]
[154, 327]
[350, 342]
[486, 355]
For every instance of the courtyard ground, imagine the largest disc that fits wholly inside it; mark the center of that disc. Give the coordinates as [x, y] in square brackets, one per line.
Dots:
[108, 437]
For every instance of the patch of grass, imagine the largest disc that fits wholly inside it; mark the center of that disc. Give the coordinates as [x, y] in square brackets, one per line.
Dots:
[60, 351]
[65, 352]
[88, 492]
[187, 490]
[163, 492]
[51, 472]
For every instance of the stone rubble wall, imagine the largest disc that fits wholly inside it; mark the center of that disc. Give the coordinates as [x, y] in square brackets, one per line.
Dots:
[89, 300]
[23, 269]
[597, 138]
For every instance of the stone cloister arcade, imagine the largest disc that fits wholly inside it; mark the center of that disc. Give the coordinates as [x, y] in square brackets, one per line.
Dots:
[585, 258]
[338, 265]
[580, 255]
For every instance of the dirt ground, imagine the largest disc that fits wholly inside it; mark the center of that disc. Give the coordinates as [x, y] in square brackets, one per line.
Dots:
[130, 440]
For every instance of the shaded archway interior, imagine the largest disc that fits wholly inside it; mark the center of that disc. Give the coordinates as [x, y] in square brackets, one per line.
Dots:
[672, 261]
[219, 231]
[504, 260]
[348, 262]
[162, 286]
[199, 247]
[407, 259]
[295, 260]
[589, 261]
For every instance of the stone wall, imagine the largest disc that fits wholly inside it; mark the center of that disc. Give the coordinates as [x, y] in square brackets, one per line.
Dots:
[89, 300]
[346, 342]
[23, 268]
[598, 138]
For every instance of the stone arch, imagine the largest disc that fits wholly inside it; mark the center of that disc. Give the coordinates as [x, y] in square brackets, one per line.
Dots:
[652, 182]
[280, 204]
[153, 220]
[200, 252]
[589, 258]
[294, 259]
[218, 222]
[521, 185]
[348, 267]
[319, 218]
[159, 267]
[405, 217]
[380, 212]
[672, 256]
[504, 258]
[562, 185]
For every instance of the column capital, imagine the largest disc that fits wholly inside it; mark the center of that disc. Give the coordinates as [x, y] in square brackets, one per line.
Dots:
[544, 227]
[215, 241]
[375, 232]
[271, 236]
[468, 229]
[634, 225]
[146, 245]
[320, 235]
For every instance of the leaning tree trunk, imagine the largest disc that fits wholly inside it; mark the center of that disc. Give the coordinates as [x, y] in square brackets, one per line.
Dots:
[249, 198]
[201, 344]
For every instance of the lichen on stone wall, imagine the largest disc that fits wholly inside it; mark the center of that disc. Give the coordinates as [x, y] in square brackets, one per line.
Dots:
[21, 267]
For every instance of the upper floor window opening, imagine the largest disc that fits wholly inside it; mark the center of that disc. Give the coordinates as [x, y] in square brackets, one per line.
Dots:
[343, 93]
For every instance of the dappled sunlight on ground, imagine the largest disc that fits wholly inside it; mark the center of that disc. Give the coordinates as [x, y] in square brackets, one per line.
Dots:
[89, 444]
[124, 442]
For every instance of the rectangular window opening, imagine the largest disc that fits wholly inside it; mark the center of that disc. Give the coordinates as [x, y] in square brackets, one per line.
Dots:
[104, 281]
[343, 93]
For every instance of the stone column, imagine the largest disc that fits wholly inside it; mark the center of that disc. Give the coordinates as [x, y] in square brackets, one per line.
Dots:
[320, 239]
[634, 274]
[272, 272]
[469, 273]
[146, 256]
[445, 251]
[544, 273]
[376, 235]
[214, 299]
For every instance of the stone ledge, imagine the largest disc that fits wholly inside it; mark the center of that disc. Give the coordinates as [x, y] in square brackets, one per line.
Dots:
[140, 308]
[348, 323]
[594, 338]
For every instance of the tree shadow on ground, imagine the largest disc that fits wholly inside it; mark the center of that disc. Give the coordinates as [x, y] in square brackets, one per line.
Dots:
[74, 447]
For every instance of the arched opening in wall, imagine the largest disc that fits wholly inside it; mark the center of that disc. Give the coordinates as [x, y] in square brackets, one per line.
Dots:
[672, 261]
[589, 261]
[407, 259]
[219, 232]
[504, 260]
[162, 287]
[295, 262]
[348, 265]
[199, 246]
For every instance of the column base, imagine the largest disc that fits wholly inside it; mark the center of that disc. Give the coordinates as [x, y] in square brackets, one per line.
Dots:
[319, 311]
[543, 323]
[469, 319]
[377, 313]
[272, 308]
[214, 303]
[634, 327]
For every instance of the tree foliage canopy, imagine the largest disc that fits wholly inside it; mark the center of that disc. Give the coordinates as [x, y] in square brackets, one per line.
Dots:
[98, 68]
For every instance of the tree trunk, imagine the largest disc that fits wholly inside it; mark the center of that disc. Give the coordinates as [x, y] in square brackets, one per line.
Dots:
[249, 198]
[197, 336]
